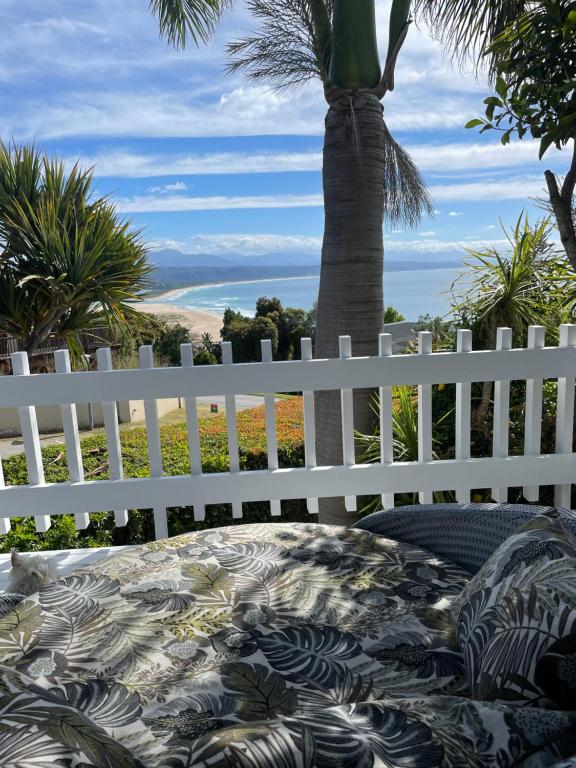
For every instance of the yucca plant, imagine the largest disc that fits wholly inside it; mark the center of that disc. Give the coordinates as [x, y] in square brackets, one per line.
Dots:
[529, 284]
[405, 438]
[367, 175]
[68, 263]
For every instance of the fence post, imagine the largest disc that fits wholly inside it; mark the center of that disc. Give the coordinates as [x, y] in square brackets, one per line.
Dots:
[309, 423]
[425, 414]
[533, 412]
[463, 405]
[565, 416]
[232, 428]
[386, 423]
[501, 424]
[4, 521]
[110, 415]
[71, 436]
[347, 409]
[187, 360]
[32, 447]
[271, 437]
[153, 443]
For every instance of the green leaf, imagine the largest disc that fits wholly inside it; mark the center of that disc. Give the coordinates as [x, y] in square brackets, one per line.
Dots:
[545, 144]
[474, 123]
[501, 88]
[263, 693]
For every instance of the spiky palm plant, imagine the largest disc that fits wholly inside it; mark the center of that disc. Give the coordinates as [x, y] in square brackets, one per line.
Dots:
[530, 284]
[67, 262]
[367, 175]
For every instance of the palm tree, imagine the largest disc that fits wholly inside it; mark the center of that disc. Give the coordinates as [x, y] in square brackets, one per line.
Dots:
[367, 176]
[67, 262]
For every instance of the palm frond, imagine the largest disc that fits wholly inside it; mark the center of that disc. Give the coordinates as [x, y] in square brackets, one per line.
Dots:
[291, 44]
[183, 19]
[468, 27]
[406, 197]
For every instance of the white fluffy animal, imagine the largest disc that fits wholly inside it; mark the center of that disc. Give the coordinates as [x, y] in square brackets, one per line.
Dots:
[28, 574]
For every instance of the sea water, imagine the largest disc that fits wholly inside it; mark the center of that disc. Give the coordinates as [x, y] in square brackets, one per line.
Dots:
[413, 293]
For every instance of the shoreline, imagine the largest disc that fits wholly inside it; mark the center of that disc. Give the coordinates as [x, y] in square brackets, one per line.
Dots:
[175, 293]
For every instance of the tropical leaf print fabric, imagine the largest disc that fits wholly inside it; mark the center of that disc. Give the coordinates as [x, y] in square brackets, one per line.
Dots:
[267, 646]
[517, 619]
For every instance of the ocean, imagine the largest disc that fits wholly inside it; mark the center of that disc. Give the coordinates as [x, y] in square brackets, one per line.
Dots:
[413, 293]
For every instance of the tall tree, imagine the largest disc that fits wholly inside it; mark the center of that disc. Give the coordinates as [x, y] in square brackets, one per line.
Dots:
[68, 263]
[529, 47]
[536, 67]
[367, 176]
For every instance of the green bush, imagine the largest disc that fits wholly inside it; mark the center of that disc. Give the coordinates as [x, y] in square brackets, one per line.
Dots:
[102, 532]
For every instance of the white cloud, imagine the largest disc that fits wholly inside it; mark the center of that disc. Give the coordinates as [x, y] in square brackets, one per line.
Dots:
[435, 247]
[427, 234]
[63, 25]
[447, 158]
[520, 188]
[455, 213]
[507, 189]
[266, 243]
[132, 165]
[469, 156]
[187, 93]
[253, 244]
[153, 204]
[177, 186]
[161, 243]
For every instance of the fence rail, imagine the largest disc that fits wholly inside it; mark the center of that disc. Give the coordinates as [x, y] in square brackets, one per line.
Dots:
[425, 369]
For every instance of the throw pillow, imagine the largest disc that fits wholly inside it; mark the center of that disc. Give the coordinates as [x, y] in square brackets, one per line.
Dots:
[516, 619]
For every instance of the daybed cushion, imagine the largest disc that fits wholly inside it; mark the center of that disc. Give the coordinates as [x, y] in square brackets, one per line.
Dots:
[267, 646]
[517, 619]
[465, 534]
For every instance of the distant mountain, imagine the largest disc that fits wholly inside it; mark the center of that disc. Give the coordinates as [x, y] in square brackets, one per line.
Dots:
[170, 257]
[174, 277]
[304, 263]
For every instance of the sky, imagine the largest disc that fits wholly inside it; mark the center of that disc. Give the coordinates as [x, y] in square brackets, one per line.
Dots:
[207, 162]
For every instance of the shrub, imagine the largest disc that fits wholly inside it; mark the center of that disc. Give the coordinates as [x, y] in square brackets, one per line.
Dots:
[140, 528]
[167, 345]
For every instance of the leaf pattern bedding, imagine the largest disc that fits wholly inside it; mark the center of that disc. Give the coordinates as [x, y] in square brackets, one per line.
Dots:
[265, 646]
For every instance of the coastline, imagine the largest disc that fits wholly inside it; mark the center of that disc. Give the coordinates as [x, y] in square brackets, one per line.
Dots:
[198, 321]
[175, 293]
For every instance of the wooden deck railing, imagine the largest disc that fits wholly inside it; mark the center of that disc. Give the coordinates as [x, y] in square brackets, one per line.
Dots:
[498, 471]
[89, 340]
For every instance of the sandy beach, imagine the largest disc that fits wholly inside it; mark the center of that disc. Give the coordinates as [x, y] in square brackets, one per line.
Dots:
[197, 321]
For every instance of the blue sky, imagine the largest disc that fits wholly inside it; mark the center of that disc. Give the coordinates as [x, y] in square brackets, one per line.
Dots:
[208, 163]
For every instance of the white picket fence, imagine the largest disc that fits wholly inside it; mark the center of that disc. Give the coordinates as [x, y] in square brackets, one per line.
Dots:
[159, 492]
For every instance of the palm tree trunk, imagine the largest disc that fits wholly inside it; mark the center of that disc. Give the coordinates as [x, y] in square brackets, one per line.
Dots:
[352, 262]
